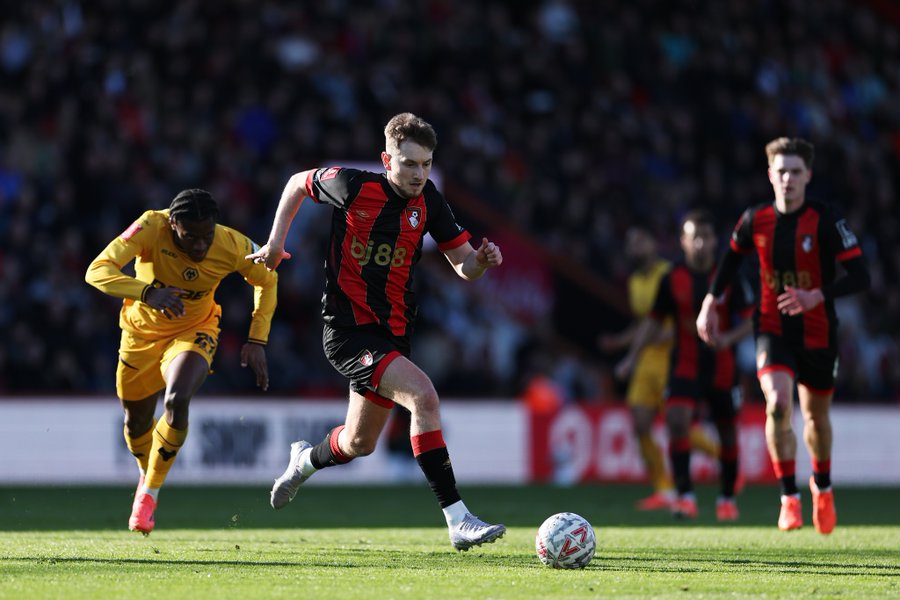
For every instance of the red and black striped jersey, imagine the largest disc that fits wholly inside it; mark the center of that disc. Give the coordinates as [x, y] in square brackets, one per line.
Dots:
[798, 249]
[680, 296]
[376, 241]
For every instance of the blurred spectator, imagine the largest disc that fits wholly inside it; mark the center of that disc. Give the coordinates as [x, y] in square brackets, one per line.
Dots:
[573, 119]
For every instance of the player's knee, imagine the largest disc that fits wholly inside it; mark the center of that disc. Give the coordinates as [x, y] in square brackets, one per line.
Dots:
[136, 424]
[361, 446]
[426, 401]
[176, 403]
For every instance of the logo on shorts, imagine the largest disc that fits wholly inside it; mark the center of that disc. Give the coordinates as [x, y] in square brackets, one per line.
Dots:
[807, 243]
[414, 216]
[366, 359]
[190, 274]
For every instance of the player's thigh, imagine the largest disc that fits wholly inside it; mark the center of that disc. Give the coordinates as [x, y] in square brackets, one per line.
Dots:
[407, 385]
[138, 374]
[187, 359]
[365, 419]
[776, 369]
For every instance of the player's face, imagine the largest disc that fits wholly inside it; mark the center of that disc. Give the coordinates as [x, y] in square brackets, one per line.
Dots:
[788, 175]
[640, 248]
[699, 244]
[194, 237]
[408, 168]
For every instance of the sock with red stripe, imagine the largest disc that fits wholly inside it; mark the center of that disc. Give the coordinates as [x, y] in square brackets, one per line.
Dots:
[434, 460]
[785, 471]
[822, 473]
[680, 455]
[327, 453]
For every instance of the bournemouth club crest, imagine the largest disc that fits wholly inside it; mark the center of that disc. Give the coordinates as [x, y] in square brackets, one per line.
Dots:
[414, 216]
[807, 243]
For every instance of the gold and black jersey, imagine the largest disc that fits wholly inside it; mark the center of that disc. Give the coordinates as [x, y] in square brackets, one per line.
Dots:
[158, 262]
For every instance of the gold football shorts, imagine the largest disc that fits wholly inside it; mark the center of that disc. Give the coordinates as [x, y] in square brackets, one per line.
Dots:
[143, 363]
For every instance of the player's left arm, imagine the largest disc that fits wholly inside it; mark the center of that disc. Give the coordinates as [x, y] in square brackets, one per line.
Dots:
[469, 263]
[265, 299]
[856, 278]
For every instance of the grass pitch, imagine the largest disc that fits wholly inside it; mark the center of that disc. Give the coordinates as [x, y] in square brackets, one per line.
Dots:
[390, 542]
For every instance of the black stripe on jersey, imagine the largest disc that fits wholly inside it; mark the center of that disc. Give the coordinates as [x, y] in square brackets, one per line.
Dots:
[784, 261]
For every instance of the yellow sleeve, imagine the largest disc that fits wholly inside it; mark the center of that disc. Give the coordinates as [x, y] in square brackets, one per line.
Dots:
[105, 271]
[265, 294]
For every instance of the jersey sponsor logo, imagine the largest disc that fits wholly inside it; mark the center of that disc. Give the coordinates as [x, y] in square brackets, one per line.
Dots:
[366, 359]
[329, 174]
[383, 255]
[807, 243]
[187, 295]
[190, 274]
[131, 231]
[414, 216]
[847, 237]
[778, 280]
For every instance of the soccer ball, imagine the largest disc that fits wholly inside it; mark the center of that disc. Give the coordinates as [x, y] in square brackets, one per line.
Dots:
[565, 541]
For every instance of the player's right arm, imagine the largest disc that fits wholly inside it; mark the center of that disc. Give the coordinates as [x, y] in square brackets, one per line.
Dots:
[105, 274]
[647, 331]
[273, 252]
[741, 244]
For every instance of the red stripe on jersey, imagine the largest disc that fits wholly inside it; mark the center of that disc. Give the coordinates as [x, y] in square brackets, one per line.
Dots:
[682, 289]
[397, 284]
[848, 254]
[456, 242]
[349, 275]
[763, 230]
[808, 266]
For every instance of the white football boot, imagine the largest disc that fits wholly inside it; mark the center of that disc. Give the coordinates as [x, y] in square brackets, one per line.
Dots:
[286, 486]
[472, 531]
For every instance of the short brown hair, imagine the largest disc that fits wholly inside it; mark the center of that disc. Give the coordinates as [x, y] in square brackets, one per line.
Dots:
[793, 146]
[407, 126]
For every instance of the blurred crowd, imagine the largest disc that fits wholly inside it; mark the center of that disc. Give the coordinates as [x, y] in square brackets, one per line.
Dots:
[569, 119]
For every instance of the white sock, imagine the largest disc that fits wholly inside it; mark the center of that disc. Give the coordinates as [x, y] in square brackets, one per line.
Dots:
[306, 466]
[154, 492]
[455, 513]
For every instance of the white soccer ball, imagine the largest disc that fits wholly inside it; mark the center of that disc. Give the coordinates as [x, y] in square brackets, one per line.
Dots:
[565, 541]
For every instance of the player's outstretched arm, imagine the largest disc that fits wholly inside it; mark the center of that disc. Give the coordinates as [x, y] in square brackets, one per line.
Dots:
[470, 263]
[273, 252]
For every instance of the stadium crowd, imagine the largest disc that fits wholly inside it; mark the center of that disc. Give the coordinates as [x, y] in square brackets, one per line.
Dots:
[571, 119]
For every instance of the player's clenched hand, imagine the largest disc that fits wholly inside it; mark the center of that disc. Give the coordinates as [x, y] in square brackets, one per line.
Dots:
[708, 321]
[254, 356]
[269, 255]
[488, 254]
[167, 299]
[794, 301]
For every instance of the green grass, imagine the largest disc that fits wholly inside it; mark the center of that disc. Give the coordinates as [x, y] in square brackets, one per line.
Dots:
[389, 542]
